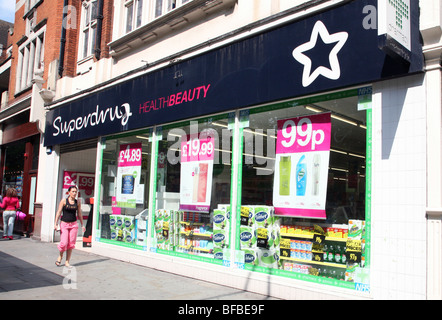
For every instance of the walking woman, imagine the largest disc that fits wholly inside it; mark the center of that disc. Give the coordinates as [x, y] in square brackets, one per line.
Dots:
[68, 226]
[10, 203]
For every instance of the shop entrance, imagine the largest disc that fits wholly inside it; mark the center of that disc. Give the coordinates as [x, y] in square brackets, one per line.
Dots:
[77, 167]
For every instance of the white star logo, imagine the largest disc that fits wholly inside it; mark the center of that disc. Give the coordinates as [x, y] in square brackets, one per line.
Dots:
[335, 72]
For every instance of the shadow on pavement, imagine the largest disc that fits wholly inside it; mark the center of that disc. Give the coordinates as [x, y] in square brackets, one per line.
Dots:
[16, 274]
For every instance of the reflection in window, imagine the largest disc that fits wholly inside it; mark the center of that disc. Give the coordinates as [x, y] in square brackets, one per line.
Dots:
[286, 242]
[183, 189]
[125, 178]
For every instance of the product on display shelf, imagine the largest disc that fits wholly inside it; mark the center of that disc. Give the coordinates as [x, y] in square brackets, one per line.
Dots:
[247, 237]
[268, 258]
[301, 176]
[259, 235]
[194, 233]
[165, 229]
[250, 256]
[284, 175]
[355, 249]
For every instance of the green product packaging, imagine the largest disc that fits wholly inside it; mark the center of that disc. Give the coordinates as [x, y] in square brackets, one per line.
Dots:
[128, 223]
[250, 256]
[218, 253]
[247, 237]
[220, 220]
[285, 166]
[268, 258]
[263, 216]
[219, 238]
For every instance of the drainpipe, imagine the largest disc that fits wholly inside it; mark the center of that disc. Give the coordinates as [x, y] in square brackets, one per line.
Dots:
[63, 39]
[99, 28]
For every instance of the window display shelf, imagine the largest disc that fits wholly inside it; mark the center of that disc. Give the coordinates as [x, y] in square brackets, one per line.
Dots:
[310, 236]
[191, 223]
[192, 248]
[329, 264]
[196, 234]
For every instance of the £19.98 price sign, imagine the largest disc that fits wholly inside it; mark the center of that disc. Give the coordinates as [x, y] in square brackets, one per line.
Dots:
[197, 155]
[301, 168]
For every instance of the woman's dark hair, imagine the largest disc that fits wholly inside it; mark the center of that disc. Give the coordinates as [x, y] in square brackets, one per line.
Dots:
[11, 193]
[72, 187]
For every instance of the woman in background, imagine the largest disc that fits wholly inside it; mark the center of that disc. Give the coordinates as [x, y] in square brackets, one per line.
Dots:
[10, 203]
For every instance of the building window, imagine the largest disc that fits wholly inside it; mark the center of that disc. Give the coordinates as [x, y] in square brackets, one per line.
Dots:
[164, 6]
[30, 60]
[134, 14]
[89, 28]
[139, 12]
[30, 4]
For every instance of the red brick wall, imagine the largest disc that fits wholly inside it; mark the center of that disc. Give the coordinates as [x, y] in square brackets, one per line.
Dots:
[52, 10]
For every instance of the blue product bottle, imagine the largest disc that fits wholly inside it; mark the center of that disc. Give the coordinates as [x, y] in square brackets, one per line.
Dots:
[301, 177]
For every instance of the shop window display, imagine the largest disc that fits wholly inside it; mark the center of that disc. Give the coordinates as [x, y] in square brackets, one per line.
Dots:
[124, 192]
[192, 215]
[303, 198]
[302, 205]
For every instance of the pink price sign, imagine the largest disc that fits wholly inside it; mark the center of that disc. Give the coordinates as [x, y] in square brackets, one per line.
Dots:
[304, 134]
[197, 149]
[130, 155]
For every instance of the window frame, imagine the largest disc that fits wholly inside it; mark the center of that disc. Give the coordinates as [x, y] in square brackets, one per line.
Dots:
[136, 15]
[88, 27]
[27, 67]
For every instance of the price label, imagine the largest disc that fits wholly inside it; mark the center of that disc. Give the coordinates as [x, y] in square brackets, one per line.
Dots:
[284, 248]
[319, 239]
[285, 244]
[285, 253]
[262, 235]
[245, 216]
[195, 149]
[318, 256]
[354, 251]
[353, 257]
[166, 229]
[130, 155]
[304, 134]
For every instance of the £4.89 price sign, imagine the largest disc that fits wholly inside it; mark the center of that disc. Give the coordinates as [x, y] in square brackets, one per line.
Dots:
[301, 167]
[128, 176]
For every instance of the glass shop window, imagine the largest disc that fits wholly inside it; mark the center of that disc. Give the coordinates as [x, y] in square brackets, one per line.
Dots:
[303, 205]
[193, 188]
[125, 178]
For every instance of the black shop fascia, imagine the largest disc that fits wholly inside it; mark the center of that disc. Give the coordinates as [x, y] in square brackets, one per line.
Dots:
[334, 49]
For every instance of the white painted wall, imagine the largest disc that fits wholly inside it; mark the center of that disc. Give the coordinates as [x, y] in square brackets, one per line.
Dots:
[398, 245]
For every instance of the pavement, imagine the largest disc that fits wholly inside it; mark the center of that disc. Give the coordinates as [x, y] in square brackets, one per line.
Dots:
[28, 272]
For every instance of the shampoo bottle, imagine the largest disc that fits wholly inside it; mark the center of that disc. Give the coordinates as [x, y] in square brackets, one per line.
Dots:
[284, 175]
[316, 166]
[301, 177]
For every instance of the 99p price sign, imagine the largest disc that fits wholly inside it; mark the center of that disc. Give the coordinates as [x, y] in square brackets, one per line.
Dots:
[304, 134]
[301, 168]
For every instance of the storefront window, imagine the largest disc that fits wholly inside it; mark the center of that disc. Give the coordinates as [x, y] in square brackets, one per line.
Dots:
[124, 191]
[304, 196]
[192, 215]
[13, 171]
